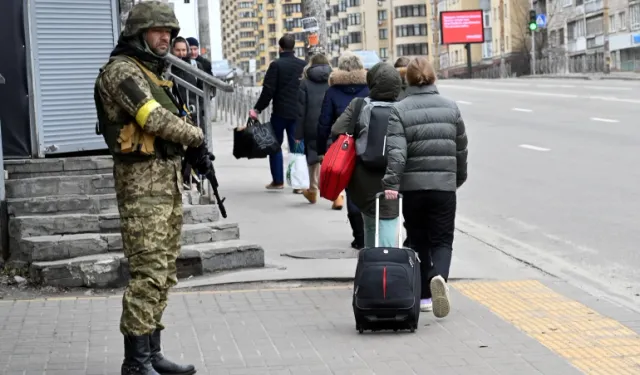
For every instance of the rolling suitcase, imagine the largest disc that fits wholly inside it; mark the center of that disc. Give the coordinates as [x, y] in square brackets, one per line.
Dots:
[337, 167]
[386, 290]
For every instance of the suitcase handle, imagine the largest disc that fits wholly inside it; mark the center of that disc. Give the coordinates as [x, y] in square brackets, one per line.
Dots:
[377, 219]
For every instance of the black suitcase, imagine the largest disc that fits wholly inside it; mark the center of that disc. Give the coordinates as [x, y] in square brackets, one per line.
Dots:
[386, 289]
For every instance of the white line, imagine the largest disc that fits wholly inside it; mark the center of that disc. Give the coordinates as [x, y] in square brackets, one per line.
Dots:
[609, 88]
[462, 102]
[535, 148]
[522, 110]
[603, 119]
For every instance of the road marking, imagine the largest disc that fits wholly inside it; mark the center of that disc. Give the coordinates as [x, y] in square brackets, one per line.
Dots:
[540, 93]
[592, 342]
[522, 110]
[535, 148]
[609, 88]
[462, 102]
[603, 119]
[555, 86]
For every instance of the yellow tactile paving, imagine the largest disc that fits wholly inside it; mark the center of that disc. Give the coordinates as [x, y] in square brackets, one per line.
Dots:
[593, 343]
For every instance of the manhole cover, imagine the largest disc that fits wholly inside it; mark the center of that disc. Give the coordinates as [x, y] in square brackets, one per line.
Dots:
[324, 254]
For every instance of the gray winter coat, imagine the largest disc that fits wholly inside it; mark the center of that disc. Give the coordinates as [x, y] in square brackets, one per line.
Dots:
[426, 143]
[310, 96]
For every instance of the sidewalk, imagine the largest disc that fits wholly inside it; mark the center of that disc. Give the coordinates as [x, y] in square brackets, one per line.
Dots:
[508, 328]
[507, 317]
[622, 76]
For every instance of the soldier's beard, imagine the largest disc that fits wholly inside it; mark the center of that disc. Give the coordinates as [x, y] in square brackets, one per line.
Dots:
[153, 51]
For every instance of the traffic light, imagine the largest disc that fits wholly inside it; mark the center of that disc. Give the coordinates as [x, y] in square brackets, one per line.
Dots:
[533, 26]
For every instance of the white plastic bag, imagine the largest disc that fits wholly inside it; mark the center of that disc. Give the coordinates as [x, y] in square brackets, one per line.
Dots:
[297, 171]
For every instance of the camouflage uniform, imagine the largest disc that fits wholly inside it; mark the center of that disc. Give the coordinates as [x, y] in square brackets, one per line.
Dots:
[129, 90]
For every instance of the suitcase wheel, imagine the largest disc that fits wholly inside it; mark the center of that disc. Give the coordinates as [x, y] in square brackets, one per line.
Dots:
[360, 329]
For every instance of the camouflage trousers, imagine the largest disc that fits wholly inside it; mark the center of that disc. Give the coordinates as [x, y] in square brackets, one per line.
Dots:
[151, 227]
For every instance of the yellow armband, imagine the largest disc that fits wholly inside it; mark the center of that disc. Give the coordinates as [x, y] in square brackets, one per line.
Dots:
[143, 113]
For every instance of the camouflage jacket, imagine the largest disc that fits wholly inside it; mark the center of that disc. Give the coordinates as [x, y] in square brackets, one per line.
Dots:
[125, 93]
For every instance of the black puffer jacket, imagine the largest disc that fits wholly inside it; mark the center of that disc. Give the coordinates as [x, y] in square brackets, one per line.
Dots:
[281, 83]
[426, 143]
[312, 88]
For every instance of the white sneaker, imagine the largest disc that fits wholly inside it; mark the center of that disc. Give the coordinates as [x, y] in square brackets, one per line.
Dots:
[440, 297]
[426, 305]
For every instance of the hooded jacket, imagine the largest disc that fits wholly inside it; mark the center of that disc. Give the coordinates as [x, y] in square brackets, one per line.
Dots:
[426, 143]
[384, 84]
[313, 86]
[343, 87]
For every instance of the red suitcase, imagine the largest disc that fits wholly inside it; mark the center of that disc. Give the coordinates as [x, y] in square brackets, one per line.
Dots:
[337, 167]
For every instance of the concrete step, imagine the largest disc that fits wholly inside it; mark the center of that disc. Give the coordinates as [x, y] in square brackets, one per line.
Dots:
[104, 222]
[58, 247]
[75, 204]
[86, 165]
[111, 269]
[93, 184]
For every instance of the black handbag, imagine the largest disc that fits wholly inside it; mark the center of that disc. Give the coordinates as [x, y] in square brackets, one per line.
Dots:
[255, 141]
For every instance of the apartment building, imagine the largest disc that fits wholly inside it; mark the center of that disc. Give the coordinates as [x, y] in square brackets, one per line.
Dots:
[251, 29]
[391, 28]
[578, 30]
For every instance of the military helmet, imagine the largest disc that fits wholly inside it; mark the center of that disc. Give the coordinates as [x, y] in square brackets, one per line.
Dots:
[147, 14]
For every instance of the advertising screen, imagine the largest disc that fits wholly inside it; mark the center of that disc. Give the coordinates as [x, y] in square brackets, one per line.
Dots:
[461, 27]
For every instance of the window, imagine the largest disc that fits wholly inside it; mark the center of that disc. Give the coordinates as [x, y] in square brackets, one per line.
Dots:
[383, 34]
[634, 16]
[355, 37]
[187, 1]
[622, 20]
[487, 50]
[382, 15]
[355, 19]
[413, 49]
[506, 10]
[567, 3]
[612, 23]
[411, 30]
[486, 15]
[595, 25]
[411, 11]
[384, 53]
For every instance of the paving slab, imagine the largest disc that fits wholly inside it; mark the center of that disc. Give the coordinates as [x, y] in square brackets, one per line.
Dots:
[498, 327]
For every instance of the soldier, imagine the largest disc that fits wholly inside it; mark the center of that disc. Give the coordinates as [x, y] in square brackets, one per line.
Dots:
[146, 131]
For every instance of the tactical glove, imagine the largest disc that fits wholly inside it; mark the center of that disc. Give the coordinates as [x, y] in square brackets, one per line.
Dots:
[200, 158]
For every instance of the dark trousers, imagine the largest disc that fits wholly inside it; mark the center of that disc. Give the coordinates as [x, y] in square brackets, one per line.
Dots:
[430, 221]
[280, 125]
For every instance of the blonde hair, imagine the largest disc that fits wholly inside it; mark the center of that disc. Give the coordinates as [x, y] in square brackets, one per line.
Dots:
[420, 72]
[349, 62]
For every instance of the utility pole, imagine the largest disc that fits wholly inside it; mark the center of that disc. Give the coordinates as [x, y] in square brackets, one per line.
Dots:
[203, 27]
[502, 41]
[533, 43]
[436, 36]
[318, 10]
[605, 26]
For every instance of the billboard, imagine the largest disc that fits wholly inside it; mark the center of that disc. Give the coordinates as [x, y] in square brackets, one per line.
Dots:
[461, 27]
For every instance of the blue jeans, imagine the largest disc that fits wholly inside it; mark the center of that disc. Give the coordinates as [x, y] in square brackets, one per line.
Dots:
[280, 125]
[388, 232]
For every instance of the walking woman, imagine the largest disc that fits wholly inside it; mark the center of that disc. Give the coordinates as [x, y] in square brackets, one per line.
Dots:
[427, 163]
[315, 81]
[384, 86]
[347, 82]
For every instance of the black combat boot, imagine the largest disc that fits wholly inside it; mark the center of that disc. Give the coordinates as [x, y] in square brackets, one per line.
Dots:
[357, 226]
[137, 356]
[163, 365]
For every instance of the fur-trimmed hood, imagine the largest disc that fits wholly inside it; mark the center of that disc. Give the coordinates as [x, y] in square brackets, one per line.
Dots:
[344, 78]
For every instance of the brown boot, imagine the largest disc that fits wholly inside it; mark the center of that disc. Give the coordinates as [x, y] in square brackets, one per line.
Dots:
[338, 203]
[273, 186]
[312, 196]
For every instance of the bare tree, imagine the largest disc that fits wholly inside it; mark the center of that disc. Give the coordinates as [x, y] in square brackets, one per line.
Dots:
[521, 38]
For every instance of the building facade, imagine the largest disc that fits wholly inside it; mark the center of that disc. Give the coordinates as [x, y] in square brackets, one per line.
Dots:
[579, 29]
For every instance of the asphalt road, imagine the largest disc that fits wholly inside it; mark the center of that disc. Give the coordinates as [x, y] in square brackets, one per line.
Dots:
[554, 176]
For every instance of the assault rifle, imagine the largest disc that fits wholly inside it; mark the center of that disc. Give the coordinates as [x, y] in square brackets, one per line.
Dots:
[213, 180]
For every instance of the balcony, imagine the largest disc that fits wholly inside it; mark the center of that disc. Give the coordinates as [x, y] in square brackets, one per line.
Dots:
[576, 45]
[596, 42]
[594, 6]
[291, 15]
